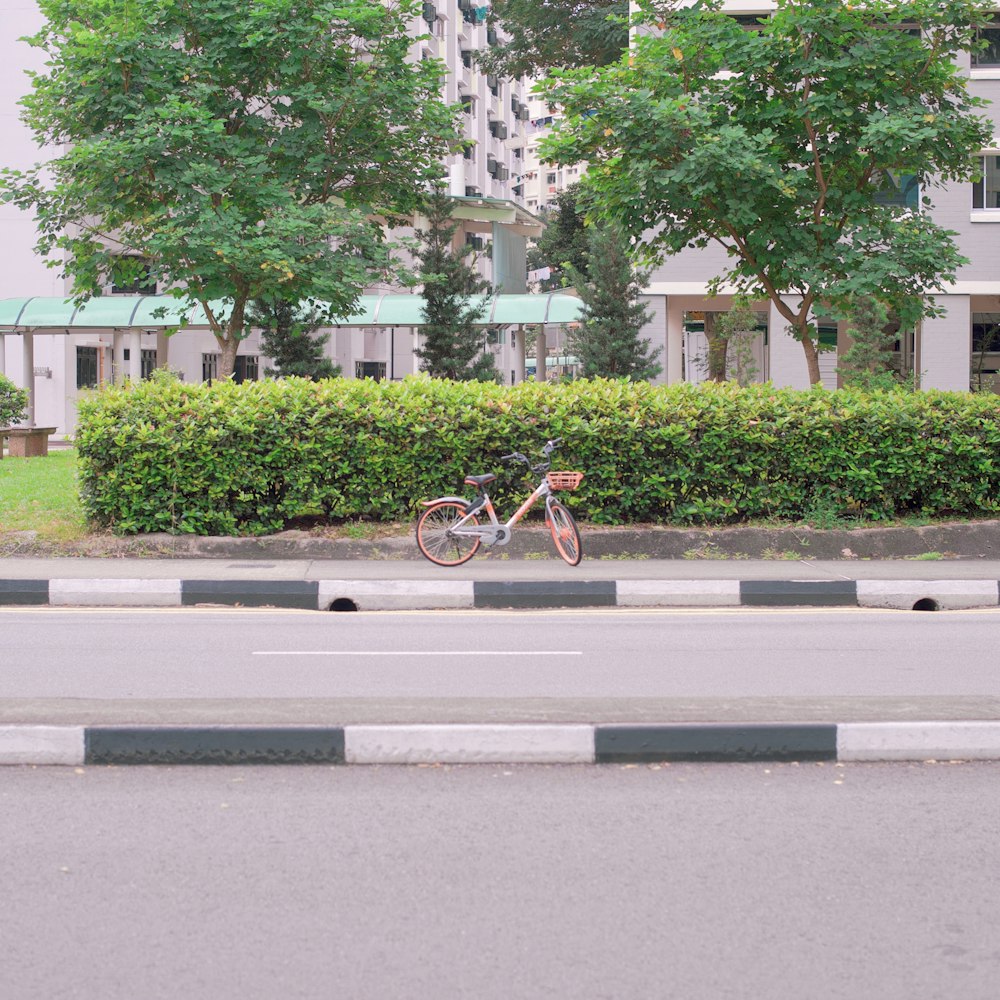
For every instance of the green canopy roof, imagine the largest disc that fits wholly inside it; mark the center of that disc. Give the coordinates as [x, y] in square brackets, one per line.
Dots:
[149, 312]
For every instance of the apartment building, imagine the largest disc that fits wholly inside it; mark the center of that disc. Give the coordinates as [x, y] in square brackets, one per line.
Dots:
[941, 350]
[62, 354]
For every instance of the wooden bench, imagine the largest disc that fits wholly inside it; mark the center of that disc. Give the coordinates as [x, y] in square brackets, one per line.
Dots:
[26, 442]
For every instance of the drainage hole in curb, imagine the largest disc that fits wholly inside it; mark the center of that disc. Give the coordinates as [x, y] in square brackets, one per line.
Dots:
[343, 604]
[926, 604]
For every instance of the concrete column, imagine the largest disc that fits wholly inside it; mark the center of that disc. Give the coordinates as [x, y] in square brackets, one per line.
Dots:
[118, 356]
[944, 356]
[135, 355]
[162, 350]
[519, 354]
[673, 358]
[655, 331]
[787, 361]
[28, 373]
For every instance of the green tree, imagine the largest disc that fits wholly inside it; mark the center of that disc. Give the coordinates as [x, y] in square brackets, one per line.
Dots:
[870, 361]
[290, 337]
[242, 151]
[779, 160]
[545, 33]
[737, 329]
[608, 341]
[13, 402]
[454, 300]
[564, 241]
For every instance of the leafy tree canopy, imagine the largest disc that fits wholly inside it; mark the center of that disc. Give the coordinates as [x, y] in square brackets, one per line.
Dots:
[779, 160]
[242, 150]
[546, 33]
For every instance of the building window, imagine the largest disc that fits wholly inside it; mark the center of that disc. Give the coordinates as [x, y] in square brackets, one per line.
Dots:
[986, 191]
[370, 369]
[990, 55]
[902, 191]
[86, 368]
[986, 333]
[209, 367]
[148, 362]
[750, 22]
[550, 178]
[496, 336]
[247, 368]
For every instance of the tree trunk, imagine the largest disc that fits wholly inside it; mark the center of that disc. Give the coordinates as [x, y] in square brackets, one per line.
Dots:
[811, 351]
[228, 346]
[717, 345]
[229, 341]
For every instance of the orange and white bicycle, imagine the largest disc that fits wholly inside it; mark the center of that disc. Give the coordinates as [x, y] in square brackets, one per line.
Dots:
[449, 532]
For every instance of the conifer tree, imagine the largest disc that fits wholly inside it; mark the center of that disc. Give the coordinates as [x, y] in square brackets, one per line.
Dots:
[453, 335]
[291, 339]
[608, 341]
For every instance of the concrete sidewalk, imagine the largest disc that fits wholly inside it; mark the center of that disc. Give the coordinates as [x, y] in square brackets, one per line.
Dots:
[369, 585]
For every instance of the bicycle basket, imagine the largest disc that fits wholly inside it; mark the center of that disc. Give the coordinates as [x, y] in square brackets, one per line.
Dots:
[564, 480]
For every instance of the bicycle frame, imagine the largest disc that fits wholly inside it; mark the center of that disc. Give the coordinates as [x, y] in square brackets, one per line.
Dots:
[494, 533]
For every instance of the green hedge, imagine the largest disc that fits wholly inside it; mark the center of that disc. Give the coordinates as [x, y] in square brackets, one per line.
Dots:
[246, 459]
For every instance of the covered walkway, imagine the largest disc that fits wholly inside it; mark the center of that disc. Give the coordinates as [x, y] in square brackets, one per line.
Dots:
[127, 317]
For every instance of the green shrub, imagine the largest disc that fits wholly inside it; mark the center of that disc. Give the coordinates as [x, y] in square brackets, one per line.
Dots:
[13, 402]
[246, 459]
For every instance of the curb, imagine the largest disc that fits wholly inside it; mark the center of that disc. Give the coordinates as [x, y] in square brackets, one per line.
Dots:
[412, 595]
[500, 744]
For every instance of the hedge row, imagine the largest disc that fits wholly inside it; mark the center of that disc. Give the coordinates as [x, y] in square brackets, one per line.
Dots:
[247, 459]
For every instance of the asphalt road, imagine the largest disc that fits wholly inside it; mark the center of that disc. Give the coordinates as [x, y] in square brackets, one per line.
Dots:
[687, 881]
[187, 653]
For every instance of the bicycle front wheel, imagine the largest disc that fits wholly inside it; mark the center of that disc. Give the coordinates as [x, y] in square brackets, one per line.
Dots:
[564, 533]
[434, 537]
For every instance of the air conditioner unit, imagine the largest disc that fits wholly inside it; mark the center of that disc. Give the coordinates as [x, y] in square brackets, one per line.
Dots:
[502, 173]
[491, 36]
[471, 192]
[430, 13]
[492, 81]
[498, 129]
[492, 166]
[476, 242]
[522, 113]
[464, 5]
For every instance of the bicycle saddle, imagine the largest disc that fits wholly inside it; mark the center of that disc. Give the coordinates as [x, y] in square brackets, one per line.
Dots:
[481, 481]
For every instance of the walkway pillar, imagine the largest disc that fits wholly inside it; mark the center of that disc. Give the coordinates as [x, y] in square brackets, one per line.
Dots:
[28, 373]
[3, 353]
[162, 350]
[135, 355]
[118, 355]
[673, 356]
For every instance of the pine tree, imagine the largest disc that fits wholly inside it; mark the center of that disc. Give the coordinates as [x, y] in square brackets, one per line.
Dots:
[291, 340]
[563, 242]
[869, 363]
[608, 341]
[453, 335]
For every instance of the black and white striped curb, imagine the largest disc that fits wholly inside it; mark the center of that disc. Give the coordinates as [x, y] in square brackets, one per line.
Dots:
[383, 595]
[506, 744]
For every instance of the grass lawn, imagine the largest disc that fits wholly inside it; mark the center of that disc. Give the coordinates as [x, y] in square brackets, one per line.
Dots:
[40, 494]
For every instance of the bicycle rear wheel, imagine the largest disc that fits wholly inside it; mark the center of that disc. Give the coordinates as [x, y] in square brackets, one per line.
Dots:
[434, 538]
[565, 533]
